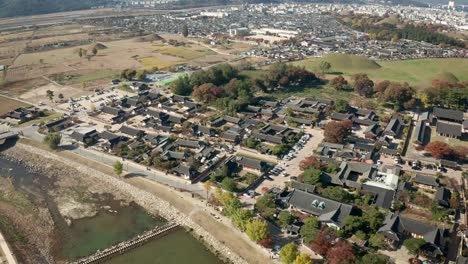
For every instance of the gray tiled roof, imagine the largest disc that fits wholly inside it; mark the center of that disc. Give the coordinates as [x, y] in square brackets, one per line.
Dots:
[327, 210]
[449, 114]
[426, 180]
[384, 197]
[450, 129]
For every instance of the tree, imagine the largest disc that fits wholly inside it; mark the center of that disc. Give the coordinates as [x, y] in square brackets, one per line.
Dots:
[339, 83]
[118, 168]
[228, 184]
[303, 259]
[288, 253]
[341, 106]
[50, 94]
[323, 241]
[414, 245]
[266, 205]
[310, 162]
[311, 176]
[377, 240]
[128, 74]
[257, 229]
[337, 193]
[60, 96]
[336, 132]
[309, 229]
[374, 218]
[374, 258]
[185, 31]
[181, 86]
[240, 217]
[80, 52]
[140, 75]
[207, 186]
[438, 149]
[207, 92]
[94, 51]
[286, 218]
[341, 253]
[455, 200]
[53, 140]
[324, 66]
[353, 223]
[363, 85]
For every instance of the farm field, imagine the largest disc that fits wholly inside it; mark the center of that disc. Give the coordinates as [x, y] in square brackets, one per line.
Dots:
[7, 104]
[416, 72]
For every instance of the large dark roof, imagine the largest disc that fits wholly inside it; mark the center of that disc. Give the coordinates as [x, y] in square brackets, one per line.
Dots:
[383, 197]
[395, 225]
[327, 210]
[449, 114]
[426, 180]
[450, 129]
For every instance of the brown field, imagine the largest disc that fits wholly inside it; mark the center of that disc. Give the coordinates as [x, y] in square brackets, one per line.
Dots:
[7, 104]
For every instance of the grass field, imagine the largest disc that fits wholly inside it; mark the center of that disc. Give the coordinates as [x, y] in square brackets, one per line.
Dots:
[49, 116]
[86, 77]
[182, 52]
[416, 72]
[7, 104]
[151, 62]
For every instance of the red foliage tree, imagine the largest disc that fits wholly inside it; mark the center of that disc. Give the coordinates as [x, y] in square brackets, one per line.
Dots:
[363, 85]
[439, 149]
[336, 132]
[267, 242]
[310, 162]
[339, 83]
[460, 152]
[323, 241]
[207, 92]
[341, 253]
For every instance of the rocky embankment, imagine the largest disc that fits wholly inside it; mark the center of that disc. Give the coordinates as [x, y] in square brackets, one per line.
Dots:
[151, 203]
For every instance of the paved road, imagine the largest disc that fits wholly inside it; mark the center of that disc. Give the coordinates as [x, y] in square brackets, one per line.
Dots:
[130, 167]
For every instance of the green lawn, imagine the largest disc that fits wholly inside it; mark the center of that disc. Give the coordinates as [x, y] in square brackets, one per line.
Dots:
[416, 72]
[66, 79]
[49, 116]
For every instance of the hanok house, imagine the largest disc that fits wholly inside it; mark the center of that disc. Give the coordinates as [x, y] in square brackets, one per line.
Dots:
[351, 174]
[449, 115]
[329, 212]
[199, 130]
[117, 115]
[252, 164]
[373, 131]
[109, 141]
[394, 127]
[132, 132]
[420, 133]
[397, 228]
[58, 125]
[85, 136]
[184, 171]
[23, 114]
[443, 196]
[382, 197]
[425, 182]
[229, 136]
[450, 130]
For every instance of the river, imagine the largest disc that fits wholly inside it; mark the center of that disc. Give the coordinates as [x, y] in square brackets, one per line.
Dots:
[115, 221]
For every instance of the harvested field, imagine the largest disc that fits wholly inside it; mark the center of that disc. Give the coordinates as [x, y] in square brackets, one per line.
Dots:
[185, 52]
[7, 104]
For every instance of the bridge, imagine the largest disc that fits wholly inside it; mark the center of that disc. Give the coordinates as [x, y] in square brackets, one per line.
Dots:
[124, 246]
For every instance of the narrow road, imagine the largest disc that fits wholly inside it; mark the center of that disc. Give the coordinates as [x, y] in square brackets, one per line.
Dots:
[6, 250]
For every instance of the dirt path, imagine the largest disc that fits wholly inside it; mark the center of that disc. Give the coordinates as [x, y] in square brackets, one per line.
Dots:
[6, 251]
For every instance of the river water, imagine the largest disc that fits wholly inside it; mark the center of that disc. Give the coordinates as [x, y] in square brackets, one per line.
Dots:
[110, 226]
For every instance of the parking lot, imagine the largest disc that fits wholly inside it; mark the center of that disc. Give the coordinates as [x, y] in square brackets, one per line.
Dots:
[288, 168]
[94, 101]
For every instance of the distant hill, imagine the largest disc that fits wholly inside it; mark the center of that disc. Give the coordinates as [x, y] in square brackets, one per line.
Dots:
[10, 8]
[446, 76]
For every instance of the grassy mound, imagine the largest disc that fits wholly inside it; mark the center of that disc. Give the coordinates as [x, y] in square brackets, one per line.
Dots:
[343, 62]
[446, 76]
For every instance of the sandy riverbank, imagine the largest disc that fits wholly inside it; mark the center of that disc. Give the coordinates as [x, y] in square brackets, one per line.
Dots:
[150, 202]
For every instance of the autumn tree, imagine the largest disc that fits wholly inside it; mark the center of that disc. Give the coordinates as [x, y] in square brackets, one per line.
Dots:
[401, 95]
[94, 51]
[303, 259]
[363, 85]
[240, 217]
[257, 229]
[324, 66]
[438, 149]
[207, 92]
[207, 186]
[288, 253]
[323, 241]
[341, 253]
[337, 131]
[310, 162]
[339, 83]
